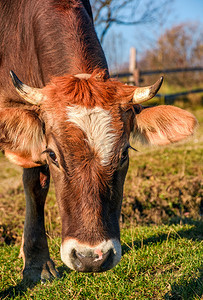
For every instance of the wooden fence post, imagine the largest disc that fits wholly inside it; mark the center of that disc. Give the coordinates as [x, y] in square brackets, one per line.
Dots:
[135, 78]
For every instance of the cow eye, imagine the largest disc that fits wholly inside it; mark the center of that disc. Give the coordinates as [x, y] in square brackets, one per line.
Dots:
[124, 156]
[53, 157]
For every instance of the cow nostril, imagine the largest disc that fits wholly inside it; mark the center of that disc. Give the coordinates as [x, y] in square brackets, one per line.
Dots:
[76, 258]
[79, 255]
[108, 261]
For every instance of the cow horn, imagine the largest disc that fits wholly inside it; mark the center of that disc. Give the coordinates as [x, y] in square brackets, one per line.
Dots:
[143, 94]
[31, 95]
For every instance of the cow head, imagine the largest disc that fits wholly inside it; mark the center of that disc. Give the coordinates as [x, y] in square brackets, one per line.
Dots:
[80, 126]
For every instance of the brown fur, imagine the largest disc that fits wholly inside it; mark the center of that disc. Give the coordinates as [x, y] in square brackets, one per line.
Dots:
[50, 38]
[84, 179]
[98, 90]
[87, 179]
[47, 39]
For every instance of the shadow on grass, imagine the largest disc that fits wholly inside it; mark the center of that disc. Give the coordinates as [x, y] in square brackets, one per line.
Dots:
[187, 290]
[194, 233]
[62, 270]
[16, 290]
[21, 288]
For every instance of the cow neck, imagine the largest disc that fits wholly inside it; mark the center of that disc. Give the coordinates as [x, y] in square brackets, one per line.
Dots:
[67, 42]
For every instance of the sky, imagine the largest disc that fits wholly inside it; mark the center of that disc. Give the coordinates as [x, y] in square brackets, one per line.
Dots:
[132, 36]
[189, 10]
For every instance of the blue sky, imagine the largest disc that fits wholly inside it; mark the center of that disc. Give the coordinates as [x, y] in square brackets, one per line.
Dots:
[181, 11]
[189, 10]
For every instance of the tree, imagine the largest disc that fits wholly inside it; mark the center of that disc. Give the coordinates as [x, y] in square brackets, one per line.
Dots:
[127, 12]
[179, 47]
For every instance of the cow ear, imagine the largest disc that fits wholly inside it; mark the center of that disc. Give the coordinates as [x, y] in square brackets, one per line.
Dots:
[22, 159]
[162, 125]
[21, 136]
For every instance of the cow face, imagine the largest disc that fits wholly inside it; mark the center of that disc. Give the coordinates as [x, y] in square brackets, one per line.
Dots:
[88, 160]
[81, 130]
[88, 168]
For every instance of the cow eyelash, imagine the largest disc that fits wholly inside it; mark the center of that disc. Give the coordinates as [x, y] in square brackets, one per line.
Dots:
[133, 148]
[124, 154]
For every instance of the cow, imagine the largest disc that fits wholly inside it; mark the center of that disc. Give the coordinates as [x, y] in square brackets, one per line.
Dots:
[67, 117]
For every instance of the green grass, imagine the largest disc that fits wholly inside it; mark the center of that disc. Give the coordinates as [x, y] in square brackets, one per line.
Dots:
[159, 262]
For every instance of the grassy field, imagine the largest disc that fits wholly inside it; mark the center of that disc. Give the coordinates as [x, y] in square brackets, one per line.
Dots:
[162, 231]
[159, 262]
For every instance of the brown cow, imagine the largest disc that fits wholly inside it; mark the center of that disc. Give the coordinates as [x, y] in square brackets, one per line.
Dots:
[78, 126]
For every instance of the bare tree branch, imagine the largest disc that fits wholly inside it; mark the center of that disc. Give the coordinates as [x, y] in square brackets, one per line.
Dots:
[126, 12]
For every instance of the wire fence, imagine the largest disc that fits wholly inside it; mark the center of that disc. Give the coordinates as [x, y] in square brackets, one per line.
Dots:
[134, 76]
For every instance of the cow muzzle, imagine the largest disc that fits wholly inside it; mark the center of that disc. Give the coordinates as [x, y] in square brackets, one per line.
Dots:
[84, 258]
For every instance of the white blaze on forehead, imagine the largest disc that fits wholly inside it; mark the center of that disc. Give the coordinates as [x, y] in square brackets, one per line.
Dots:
[96, 124]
